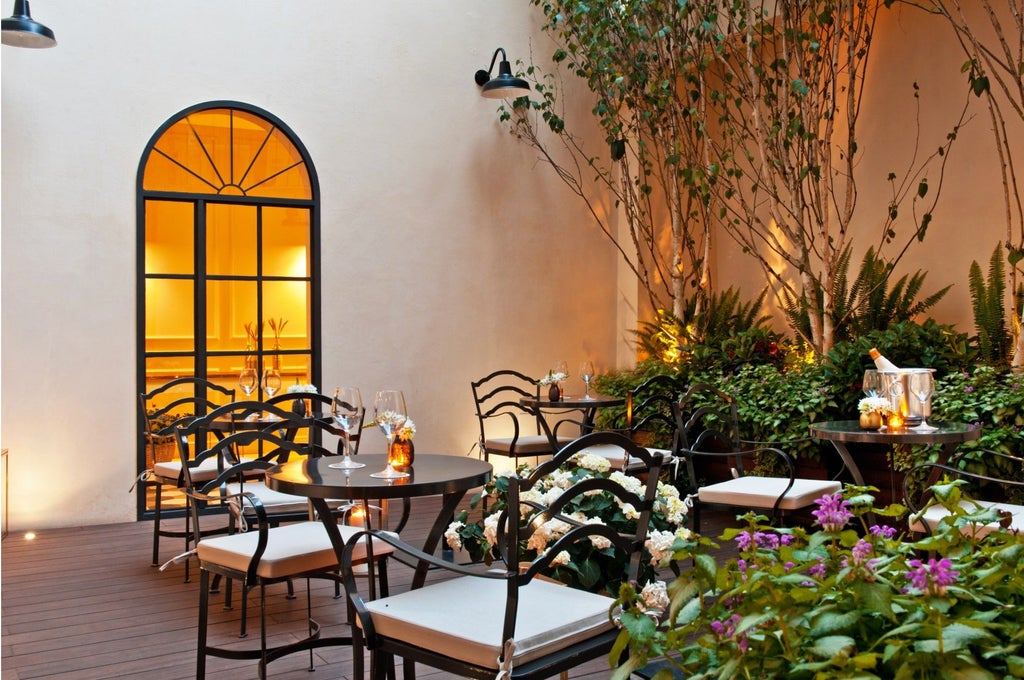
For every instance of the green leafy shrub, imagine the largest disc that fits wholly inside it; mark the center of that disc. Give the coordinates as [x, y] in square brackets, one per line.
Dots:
[848, 600]
[994, 400]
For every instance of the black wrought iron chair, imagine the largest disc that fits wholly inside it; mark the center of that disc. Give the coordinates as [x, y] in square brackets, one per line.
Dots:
[160, 411]
[647, 419]
[266, 552]
[708, 427]
[507, 427]
[985, 498]
[505, 621]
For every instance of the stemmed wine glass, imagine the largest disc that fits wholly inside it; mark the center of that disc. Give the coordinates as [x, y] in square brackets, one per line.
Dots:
[347, 411]
[922, 384]
[389, 415]
[271, 381]
[563, 368]
[872, 383]
[248, 381]
[587, 374]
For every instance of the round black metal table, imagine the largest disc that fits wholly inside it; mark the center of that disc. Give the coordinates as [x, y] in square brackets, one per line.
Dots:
[844, 432]
[431, 475]
[586, 405]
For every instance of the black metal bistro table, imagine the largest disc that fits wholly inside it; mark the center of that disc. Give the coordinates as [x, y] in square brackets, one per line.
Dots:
[842, 433]
[586, 405]
[431, 475]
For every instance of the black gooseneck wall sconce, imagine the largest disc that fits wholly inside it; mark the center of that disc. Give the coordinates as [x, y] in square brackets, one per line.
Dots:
[504, 85]
[20, 30]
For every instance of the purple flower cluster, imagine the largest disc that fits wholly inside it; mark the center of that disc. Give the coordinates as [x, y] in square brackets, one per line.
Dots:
[726, 630]
[932, 577]
[833, 512]
[762, 539]
[882, 531]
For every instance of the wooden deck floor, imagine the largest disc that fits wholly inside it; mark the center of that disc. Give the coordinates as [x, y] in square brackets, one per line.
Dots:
[85, 604]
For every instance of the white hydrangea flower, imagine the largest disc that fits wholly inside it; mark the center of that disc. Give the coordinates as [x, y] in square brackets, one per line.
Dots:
[630, 512]
[684, 534]
[491, 528]
[551, 495]
[659, 544]
[591, 461]
[561, 478]
[667, 490]
[452, 537]
[599, 542]
[561, 559]
[546, 533]
[628, 482]
[675, 511]
[655, 596]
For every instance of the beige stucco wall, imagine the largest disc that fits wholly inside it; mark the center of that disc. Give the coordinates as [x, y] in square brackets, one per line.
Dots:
[461, 253]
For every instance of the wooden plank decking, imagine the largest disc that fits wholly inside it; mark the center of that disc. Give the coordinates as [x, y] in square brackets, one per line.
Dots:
[85, 604]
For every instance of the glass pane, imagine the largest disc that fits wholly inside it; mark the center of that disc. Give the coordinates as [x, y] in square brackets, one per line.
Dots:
[170, 230]
[224, 370]
[180, 160]
[231, 240]
[277, 171]
[169, 318]
[230, 305]
[286, 242]
[159, 370]
[295, 370]
[287, 302]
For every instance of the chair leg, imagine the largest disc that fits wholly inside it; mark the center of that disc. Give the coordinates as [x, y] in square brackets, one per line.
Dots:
[358, 644]
[156, 518]
[204, 603]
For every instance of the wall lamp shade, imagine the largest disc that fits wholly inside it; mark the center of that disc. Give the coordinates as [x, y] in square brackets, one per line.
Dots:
[21, 31]
[504, 85]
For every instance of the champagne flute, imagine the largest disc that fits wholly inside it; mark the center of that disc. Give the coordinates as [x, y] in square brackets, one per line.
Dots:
[587, 374]
[248, 381]
[389, 415]
[872, 383]
[347, 412]
[922, 384]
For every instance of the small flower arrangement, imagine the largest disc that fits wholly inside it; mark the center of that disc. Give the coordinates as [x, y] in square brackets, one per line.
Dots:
[879, 405]
[851, 599]
[407, 430]
[585, 565]
[296, 388]
[552, 377]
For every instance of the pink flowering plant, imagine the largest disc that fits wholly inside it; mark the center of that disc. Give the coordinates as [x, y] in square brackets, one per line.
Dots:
[585, 565]
[850, 599]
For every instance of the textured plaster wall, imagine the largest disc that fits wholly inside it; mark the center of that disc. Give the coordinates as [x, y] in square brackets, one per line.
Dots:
[448, 250]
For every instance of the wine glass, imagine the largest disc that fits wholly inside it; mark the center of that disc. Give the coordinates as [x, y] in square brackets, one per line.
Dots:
[872, 383]
[347, 412]
[389, 415]
[248, 381]
[271, 385]
[271, 381]
[587, 374]
[563, 368]
[922, 384]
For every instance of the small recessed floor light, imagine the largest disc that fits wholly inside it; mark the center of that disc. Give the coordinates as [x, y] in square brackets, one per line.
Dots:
[30, 535]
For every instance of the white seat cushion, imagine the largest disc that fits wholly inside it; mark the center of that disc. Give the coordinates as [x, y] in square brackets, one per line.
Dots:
[614, 454]
[551, 617]
[276, 502]
[933, 514]
[529, 445]
[171, 470]
[762, 492]
[291, 549]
